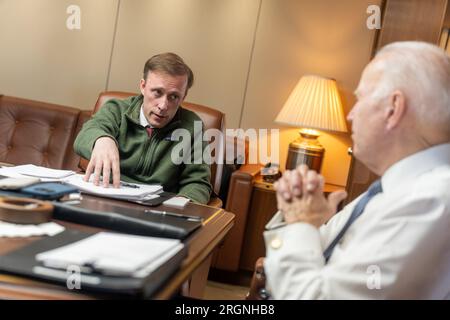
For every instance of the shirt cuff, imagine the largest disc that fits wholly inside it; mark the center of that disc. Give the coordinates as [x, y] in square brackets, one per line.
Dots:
[303, 238]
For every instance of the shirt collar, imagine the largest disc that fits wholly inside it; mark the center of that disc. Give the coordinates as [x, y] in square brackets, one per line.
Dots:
[142, 119]
[408, 169]
[173, 124]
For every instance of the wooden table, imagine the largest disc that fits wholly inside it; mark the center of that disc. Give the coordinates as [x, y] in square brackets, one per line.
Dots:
[190, 278]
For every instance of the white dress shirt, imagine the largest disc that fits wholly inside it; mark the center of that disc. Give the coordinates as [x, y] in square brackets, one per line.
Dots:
[142, 119]
[399, 248]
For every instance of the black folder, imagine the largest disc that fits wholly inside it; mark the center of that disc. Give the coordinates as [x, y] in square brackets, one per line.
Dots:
[127, 220]
[22, 262]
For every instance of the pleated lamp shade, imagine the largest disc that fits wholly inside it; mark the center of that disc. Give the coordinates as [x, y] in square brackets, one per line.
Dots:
[314, 103]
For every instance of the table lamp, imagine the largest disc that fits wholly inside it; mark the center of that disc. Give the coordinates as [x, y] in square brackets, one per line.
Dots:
[313, 104]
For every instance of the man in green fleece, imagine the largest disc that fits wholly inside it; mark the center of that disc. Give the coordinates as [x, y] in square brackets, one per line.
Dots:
[132, 138]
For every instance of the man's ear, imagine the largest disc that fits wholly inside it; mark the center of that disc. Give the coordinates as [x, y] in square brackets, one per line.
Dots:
[142, 86]
[395, 110]
[185, 94]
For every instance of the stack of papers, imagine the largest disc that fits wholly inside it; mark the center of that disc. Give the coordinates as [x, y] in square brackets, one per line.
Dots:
[128, 191]
[113, 254]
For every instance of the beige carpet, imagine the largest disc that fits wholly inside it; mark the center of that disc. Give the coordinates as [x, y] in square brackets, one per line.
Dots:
[221, 291]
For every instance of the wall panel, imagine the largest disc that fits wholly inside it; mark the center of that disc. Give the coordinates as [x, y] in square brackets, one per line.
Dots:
[328, 38]
[41, 59]
[213, 36]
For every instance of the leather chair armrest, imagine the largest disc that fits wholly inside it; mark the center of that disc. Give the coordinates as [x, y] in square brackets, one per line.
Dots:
[83, 164]
[258, 285]
[6, 164]
[215, 202]
[238, 202]
[250, 169]
[72, 159]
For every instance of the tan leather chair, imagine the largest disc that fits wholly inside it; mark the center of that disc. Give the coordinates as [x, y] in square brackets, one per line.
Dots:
[72, 160]
[211, 118]
[37, 132]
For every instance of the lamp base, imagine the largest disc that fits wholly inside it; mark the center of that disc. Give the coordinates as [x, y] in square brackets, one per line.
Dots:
[305, 150]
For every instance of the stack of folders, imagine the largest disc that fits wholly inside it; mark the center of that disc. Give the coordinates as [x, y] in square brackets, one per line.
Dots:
[111, 254]
[104, 262]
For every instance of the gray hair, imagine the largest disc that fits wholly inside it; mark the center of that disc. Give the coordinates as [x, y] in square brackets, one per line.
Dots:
[422, 72]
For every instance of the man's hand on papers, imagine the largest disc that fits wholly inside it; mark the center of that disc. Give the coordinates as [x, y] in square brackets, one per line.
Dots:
[104, 159]
[300, 197]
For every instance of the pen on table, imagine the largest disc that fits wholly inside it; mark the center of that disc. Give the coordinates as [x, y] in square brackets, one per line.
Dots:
[123, 184]
[173, 214]
[129, 185]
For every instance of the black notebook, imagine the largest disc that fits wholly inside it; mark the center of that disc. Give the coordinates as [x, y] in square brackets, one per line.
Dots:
[128, 220]
[123, 219]
[23, 262]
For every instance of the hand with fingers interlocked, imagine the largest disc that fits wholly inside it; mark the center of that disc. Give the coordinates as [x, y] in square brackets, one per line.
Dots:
[300, 197]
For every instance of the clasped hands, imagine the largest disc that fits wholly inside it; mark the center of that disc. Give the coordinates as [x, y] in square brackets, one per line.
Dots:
[300, 197]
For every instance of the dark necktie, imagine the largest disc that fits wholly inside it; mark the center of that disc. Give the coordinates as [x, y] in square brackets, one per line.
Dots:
[357, 211]
[149, 131]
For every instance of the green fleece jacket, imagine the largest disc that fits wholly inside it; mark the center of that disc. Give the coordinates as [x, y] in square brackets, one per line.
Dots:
[145, 160]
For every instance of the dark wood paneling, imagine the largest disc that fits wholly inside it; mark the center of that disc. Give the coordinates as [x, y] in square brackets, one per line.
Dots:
[412, 20]
[447, 17]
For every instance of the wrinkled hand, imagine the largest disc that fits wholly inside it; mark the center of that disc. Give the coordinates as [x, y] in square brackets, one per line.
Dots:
[104, 158]
[300, 197]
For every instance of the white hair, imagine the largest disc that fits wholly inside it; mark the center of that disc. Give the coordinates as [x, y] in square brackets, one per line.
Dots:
[422, 72]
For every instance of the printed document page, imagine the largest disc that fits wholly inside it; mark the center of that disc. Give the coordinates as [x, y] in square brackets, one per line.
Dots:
[113, 254]
[29, 170]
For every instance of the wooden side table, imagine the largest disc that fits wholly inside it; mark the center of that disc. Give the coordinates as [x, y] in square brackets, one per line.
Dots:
[263, 206]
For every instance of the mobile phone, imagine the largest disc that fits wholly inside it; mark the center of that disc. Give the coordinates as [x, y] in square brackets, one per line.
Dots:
[49, 190]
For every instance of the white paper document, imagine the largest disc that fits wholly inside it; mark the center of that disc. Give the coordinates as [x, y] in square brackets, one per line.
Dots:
[113, 254]
[130, 191]
[17, 183]
[176, 202]
[30, 170]
[40, 172]
[12, 230]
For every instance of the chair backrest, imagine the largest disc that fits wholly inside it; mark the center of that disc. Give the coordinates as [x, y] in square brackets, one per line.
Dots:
[212, 119]
[36, 132]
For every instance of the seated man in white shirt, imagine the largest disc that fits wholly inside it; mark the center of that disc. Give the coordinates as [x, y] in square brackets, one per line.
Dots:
[393, 242]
